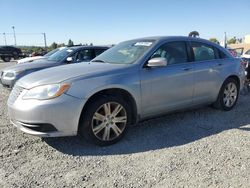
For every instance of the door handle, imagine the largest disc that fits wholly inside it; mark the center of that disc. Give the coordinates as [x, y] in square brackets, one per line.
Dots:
[186, 68]
[219, 64]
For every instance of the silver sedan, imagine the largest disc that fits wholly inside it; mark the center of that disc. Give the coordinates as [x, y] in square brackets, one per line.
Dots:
[132, 81]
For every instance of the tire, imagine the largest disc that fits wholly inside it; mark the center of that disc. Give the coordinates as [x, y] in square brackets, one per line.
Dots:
[15, 55]
[98, 124]
[228, 95]
[6, 59]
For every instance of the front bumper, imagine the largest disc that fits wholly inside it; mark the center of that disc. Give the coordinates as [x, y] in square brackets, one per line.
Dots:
[62, 113]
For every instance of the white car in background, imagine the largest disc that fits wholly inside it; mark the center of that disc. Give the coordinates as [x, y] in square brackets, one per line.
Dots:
[246, 54]
[30, 59]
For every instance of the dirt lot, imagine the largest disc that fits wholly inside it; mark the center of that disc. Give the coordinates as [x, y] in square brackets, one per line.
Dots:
[197, 148]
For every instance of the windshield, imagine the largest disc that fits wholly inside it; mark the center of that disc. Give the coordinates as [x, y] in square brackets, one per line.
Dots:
[125, 52]
[60, 55]
[51, 52]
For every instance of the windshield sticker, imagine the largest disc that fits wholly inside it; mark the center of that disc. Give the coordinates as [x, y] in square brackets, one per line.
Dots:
[69, 50]
[143, 44]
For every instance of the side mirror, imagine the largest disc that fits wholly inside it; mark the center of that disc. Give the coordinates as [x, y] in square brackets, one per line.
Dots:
[157, 62]
[69, 59]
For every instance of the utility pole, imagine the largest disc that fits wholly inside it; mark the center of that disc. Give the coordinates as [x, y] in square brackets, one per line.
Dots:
[45, 42]
[225, 40]
[14, 34]
[4, 37]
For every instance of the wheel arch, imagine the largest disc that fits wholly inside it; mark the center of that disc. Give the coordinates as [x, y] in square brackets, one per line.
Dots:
[113, 92]
[235, 77]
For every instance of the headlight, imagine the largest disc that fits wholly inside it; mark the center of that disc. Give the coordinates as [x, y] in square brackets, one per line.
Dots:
[18, 72]
[9, 74]
[46, 91]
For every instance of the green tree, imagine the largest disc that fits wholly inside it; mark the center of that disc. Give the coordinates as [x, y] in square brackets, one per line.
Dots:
[53, 46]
[70, 43]
[232, 41]
[61, 45]
[215, 40]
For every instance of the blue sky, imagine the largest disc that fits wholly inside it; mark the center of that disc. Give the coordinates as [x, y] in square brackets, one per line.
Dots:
[112, 21]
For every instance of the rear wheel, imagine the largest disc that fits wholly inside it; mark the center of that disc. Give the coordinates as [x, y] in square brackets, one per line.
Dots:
[105, 120]
[6, 59]
[228, 95]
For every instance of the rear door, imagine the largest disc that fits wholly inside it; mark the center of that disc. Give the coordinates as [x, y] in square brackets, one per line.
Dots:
[207, 72]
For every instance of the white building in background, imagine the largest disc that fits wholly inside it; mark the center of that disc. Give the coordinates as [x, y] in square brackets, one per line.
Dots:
[247, 39]
[242, 47]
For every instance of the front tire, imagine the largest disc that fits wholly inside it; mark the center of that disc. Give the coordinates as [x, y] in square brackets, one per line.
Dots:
[105, 120]
[15, 55]
[228, 95]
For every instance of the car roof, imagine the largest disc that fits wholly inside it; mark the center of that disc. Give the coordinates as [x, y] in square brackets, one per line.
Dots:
[163, 38]
[184, 38]
[8, 47]
[88, 47]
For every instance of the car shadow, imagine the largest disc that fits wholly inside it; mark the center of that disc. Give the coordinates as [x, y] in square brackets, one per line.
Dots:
[168, 131]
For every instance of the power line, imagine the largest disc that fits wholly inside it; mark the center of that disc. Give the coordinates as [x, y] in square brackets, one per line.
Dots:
[37, 34]
[25, 33]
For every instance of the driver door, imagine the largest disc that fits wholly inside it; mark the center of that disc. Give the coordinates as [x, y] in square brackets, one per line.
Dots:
[169, 87]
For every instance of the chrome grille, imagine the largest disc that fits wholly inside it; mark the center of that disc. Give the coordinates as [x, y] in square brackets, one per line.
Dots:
[16, 91]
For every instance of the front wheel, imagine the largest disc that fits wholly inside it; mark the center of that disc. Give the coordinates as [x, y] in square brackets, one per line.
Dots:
[105, 120]
[228, 95]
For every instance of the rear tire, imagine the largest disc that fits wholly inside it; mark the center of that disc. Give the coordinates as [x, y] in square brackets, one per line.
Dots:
[228, 95]
[105, 120]
[6, 59]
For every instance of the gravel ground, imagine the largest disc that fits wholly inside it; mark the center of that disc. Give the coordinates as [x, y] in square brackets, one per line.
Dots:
[197, 148]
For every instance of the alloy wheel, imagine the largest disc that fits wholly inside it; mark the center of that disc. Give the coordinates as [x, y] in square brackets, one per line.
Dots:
[230, 94]
[109, 121]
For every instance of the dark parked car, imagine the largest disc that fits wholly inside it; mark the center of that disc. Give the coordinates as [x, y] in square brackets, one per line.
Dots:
[8, 52]
[67, 55]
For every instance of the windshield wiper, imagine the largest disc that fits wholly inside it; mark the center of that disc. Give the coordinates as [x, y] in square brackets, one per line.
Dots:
[98, 61]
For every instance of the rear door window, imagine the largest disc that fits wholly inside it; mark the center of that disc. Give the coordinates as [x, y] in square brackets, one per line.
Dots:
[203, 52]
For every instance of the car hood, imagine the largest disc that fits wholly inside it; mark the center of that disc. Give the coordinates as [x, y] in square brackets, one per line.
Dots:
[68, 72]
[32, 65]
